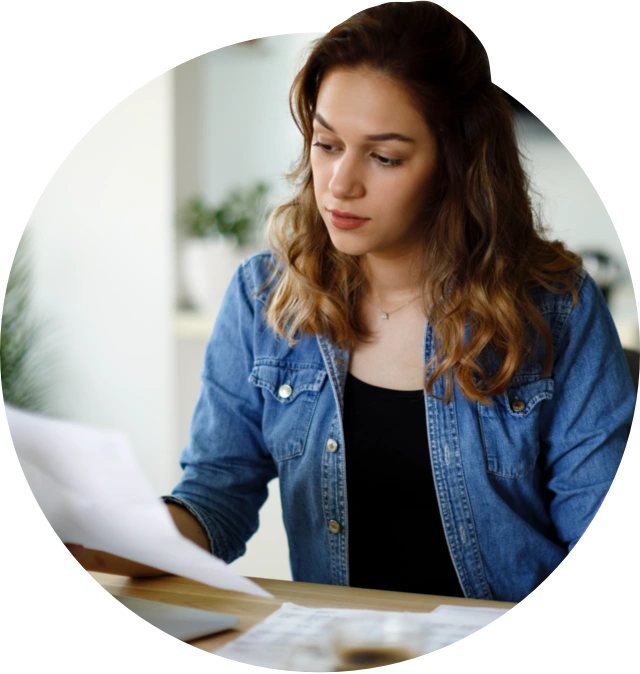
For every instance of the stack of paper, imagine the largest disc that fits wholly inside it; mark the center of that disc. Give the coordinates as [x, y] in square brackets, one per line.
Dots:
[294, 638]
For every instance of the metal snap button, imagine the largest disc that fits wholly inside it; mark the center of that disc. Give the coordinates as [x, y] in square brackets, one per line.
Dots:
[285, 391]
[332, 445]
[518, 405]
[334, 527]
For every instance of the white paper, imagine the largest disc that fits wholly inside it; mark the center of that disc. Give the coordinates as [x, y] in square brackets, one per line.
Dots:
[294, 638]
[93, 493]
[467, 615]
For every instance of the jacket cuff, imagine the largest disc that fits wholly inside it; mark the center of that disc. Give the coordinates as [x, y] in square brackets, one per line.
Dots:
[200, 517]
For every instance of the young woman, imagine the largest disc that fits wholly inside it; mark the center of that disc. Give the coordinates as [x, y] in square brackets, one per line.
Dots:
[440, 389]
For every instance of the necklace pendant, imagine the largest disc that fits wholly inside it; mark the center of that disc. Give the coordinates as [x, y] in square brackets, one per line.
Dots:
[384, 316]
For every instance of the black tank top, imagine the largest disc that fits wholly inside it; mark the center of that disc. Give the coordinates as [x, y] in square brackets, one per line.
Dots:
[396, 539]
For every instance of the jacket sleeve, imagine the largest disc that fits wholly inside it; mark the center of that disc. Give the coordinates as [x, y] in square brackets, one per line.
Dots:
[226, 467]
[585, 429]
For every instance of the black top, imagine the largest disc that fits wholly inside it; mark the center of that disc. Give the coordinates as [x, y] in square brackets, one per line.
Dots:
[396, 539]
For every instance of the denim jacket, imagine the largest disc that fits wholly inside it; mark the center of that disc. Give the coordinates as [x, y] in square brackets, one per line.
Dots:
[517, 482]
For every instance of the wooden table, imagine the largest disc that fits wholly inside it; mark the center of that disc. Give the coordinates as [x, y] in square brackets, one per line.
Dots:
[252, 610]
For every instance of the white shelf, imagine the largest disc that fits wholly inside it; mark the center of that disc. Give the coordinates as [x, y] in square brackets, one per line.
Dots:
[191, 325]
[623, 309]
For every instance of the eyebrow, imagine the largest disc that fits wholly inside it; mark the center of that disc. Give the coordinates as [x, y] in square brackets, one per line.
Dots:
[375, 137]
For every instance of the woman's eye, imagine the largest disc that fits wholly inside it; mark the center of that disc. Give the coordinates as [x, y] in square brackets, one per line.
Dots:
[384, 161]
[323, 146]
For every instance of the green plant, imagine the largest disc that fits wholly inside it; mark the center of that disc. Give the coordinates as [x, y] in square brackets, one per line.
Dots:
[22, 377]
[237, 217]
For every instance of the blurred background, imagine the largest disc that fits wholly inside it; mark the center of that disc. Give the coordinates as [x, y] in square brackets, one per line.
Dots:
[124, 261]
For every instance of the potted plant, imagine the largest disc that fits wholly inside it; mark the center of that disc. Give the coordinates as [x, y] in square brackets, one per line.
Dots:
[215, 240]
[24, 365]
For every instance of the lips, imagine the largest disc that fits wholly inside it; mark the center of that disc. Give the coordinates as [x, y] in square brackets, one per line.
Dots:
[344, 220]
[344, 214]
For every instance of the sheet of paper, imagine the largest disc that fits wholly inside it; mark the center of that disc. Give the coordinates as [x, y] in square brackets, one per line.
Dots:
[467, 615]
[92, 492]
[294, 638]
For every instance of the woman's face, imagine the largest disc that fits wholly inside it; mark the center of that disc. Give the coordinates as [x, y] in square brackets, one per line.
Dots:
[372, 158]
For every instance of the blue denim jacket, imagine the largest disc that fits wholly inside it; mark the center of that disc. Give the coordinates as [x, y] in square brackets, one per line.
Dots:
[517, 482]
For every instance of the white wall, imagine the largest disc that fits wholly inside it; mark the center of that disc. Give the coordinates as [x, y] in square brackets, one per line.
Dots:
[571, 205]
[247, 132]
[574, 213]
[103, 252]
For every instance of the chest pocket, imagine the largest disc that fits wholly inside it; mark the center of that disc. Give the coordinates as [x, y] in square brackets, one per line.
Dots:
[510, 427]
[291, 392]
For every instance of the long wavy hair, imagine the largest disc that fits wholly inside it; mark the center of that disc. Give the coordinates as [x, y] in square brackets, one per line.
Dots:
[484, 249]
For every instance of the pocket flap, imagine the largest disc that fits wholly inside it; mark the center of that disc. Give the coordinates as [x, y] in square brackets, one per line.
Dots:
[522, 397]
[286, 381]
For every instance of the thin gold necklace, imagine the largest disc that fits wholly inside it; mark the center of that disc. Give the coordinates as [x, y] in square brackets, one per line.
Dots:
[384, 315]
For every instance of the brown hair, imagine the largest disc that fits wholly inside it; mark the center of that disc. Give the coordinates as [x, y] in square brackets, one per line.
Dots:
[484, 249]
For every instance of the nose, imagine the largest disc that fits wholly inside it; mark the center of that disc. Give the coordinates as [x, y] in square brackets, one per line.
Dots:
[347, 179]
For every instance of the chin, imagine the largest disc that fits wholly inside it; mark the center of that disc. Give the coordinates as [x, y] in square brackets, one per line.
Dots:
[349, 245]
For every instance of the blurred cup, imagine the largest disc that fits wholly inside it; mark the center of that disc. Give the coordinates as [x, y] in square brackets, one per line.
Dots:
[363, 643]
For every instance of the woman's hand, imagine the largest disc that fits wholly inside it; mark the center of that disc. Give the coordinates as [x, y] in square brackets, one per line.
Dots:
[75, 549]
[97, 560]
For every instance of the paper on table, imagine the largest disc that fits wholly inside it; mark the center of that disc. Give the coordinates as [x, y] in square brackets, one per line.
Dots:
[93, 493]
[294, 637]
[468, 615]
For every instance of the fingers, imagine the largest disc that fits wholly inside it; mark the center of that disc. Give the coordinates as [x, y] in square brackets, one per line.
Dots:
[75, 549]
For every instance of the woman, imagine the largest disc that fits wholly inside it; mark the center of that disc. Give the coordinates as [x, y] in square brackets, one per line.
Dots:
[439, 388]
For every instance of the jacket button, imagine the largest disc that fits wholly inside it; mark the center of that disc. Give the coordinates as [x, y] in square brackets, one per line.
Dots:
[518, 405]
[334, 527]
[332, 445]
[285, 391]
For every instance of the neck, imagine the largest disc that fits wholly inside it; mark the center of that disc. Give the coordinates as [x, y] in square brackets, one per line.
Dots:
[392, 279]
